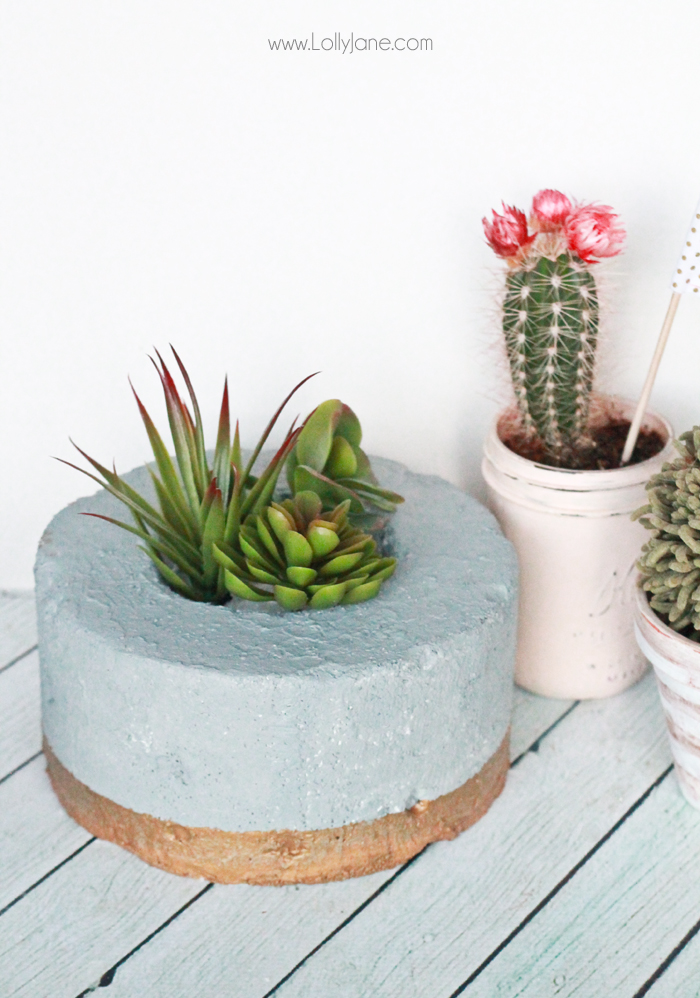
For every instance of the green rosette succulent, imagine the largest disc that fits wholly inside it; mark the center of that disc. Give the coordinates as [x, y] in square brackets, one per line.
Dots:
[297, 554]
[327, 459]
[670, 561]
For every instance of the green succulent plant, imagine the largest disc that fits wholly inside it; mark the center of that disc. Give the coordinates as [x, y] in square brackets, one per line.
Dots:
[328, 460]
[670, 561]
[200, 504]
[297, 554]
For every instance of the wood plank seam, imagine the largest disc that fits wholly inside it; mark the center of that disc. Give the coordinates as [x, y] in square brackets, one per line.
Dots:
[26, 762]
[535, 747]
[346, 921]
[565, 880]
[108, 975]
[46, 876]
[665, 964]
[20, 725]
[18, 658]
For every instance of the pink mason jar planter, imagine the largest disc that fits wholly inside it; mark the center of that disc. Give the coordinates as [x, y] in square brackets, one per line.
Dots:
[577, 549]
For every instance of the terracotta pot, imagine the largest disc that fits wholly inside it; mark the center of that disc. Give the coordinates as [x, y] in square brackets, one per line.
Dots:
[676, 662]
[577, 548]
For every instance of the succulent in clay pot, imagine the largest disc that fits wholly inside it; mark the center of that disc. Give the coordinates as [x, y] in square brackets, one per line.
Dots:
[667, 608]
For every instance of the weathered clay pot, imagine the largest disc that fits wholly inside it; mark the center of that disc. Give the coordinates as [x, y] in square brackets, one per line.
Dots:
[242, 743]
[676, 662]
[577, 548]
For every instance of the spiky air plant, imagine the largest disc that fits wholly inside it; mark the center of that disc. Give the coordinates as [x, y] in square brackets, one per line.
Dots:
[328, 460]
[200, 505]
[550, 312]
[297, 554]
[670, 561]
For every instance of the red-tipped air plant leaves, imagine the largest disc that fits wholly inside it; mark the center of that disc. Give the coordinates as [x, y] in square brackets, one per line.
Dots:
[199, 506]
[222, 452]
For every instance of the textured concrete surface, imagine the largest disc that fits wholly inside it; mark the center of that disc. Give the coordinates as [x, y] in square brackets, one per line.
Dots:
[246, 718]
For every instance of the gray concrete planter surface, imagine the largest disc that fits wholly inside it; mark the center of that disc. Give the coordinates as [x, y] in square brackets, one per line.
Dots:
[244, 717]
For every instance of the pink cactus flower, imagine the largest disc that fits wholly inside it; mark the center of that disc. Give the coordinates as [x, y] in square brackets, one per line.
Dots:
[551, 208]
[592, 231]
[506, 234]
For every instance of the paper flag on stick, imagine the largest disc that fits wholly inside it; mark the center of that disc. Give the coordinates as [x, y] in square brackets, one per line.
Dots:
[687, 274]
[686, 277]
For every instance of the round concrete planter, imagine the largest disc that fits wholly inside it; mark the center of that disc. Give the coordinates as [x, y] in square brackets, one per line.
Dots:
[240, 743]
[676, 662]
[577, 548]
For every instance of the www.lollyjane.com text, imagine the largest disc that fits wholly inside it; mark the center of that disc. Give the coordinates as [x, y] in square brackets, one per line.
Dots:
[352, 43]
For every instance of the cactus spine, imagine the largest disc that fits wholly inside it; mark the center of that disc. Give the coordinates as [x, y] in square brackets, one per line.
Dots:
[550, 322]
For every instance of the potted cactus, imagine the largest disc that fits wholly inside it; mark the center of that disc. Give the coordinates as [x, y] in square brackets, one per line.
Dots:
[551, 461]
[667, 608]
[257, 678]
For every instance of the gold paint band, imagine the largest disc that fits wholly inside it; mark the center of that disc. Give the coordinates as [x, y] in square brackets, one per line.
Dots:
[282, 857]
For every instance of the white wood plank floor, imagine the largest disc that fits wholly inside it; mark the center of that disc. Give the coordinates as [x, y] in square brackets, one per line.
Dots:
[583, 880]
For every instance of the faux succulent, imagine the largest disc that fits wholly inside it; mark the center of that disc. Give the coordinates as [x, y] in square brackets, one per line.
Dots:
[550, 311]
[205, 536]
[670, 562]
[203, 504]
[296, 553]
[328, 460]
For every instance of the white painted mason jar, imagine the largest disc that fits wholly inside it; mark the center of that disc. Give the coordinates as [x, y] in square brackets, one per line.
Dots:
[577, 549]
[676, 662]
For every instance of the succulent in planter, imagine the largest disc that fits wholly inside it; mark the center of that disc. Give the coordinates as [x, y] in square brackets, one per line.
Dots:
[203, 526]
[670, 561]
[296, 553]
[550, 313]
[253, 706]
[669, 593]
[328, 460]
[200, 504]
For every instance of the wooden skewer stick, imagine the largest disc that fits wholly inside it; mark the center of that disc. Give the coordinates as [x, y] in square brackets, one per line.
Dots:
[649, 383]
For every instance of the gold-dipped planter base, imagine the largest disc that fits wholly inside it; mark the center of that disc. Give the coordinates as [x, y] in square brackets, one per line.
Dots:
[282, 857]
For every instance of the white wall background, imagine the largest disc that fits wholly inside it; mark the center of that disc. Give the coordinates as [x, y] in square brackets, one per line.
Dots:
[165, 177]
